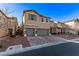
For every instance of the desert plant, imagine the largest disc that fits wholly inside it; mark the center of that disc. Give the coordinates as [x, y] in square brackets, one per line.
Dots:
[19, 31]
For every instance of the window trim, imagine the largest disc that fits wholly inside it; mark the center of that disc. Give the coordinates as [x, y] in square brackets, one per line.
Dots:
[32, 17]
[42, 19]
[46, 19]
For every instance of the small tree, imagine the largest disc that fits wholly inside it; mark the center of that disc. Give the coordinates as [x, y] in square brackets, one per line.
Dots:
[6, 9]
[19, 31]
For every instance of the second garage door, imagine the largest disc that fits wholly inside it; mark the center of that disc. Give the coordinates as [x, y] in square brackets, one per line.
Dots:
[42, 32]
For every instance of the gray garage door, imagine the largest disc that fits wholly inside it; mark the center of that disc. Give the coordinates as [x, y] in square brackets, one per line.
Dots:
[42, 32]
[30, 32]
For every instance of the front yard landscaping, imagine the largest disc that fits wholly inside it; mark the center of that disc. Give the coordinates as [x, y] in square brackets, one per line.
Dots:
[67, 36]
[10, 41]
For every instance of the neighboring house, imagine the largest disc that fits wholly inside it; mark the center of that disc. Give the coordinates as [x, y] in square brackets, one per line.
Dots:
[12, 25]
[53, 27]
[67, 27]
[3, 24]
[61, 27]
[35, 24]
[72, 26]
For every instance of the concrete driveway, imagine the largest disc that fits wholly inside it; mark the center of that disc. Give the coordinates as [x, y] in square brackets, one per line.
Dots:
[39, 40]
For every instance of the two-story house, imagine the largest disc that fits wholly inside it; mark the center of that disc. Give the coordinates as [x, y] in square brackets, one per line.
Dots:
[72, 26]
[35, 24]
[7, 23]
[61, 27]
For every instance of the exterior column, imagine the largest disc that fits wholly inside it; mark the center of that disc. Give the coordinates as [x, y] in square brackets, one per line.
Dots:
[25, 32]
[49, 33]
[35, 32]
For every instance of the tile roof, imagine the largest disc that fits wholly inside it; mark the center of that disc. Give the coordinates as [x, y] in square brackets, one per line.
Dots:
[36, 13]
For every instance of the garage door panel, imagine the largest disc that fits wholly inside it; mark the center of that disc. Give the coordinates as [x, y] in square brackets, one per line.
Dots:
[42, 32]
[30, 32]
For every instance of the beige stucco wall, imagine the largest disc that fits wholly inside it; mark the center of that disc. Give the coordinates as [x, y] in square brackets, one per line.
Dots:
[4, 26]
[59, 25]
[73, 27]
[37, 23]
[12, 23]
[70, 24]
[76, 25]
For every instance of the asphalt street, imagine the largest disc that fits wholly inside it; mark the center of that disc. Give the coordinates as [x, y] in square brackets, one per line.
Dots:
[64, 49]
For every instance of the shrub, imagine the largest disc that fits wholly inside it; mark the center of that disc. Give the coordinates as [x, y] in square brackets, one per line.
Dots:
[1, 46]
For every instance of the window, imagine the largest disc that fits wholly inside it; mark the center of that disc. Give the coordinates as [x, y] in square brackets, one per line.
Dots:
[1, 21]
[32, 17]
[42, 19]
[46, 19]
[0, 17]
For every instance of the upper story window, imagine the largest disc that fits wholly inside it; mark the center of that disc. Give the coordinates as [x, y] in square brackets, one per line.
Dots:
[42, 19]
[32, 17]
[46, 19]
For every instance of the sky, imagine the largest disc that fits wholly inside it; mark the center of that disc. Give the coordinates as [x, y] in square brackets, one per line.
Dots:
[57, 11]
